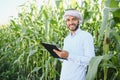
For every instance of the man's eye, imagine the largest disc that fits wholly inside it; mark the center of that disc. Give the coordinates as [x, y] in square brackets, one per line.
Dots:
[68, 19]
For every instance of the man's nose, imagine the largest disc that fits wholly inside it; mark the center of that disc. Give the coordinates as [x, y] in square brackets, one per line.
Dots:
[71, 22]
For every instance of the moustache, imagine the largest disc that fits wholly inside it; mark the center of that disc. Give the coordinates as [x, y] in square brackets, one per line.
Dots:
[71, 24]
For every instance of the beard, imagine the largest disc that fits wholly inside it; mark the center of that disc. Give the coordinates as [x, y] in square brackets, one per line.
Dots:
[73, 27]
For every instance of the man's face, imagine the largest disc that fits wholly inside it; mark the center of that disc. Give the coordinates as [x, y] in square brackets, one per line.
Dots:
[72, 23]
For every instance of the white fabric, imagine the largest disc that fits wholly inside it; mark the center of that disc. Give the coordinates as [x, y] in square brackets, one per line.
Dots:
[74, 13]
[81, 49]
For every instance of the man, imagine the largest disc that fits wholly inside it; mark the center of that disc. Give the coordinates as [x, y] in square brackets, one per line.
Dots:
[78, 48]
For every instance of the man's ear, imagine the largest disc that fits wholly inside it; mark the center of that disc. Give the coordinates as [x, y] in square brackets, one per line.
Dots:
[80, 21]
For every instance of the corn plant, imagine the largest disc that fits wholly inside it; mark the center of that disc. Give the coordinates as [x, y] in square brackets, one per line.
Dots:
[23, 58]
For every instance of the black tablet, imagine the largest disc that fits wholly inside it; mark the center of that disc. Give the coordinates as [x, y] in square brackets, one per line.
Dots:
[50, 48]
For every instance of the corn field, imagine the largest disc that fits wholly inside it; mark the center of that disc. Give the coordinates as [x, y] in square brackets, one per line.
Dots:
[23, 58]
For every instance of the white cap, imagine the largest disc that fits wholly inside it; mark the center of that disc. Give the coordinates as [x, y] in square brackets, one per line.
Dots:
[73, 12]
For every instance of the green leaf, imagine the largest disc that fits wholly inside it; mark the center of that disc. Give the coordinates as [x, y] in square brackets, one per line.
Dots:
[111, 3]
[57, 3]
[35, 69]
[52, 21]
[92, 70]
[116, 13]
[104, 22]
[117, 36]
[32, 52]
[45, 14]
[114, 4]
[107, 57]
[110, 65]
[107, 3]
[93, 66]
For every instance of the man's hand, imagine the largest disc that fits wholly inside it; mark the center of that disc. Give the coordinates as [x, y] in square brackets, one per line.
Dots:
[62, 53]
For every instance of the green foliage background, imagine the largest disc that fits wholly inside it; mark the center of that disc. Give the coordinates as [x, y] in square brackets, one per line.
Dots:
[23, 58]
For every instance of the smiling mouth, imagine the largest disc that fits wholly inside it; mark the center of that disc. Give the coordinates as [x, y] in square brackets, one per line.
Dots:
[72, 26]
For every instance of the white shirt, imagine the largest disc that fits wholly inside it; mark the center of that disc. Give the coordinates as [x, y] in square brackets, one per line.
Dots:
[80, 47]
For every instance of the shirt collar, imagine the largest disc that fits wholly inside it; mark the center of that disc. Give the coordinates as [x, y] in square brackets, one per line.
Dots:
[76, 32]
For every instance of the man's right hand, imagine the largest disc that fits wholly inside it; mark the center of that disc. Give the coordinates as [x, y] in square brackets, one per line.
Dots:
[62, 53]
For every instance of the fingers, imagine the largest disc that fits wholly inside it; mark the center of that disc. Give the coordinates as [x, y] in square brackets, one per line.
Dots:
[56, 51]
[62, 53]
